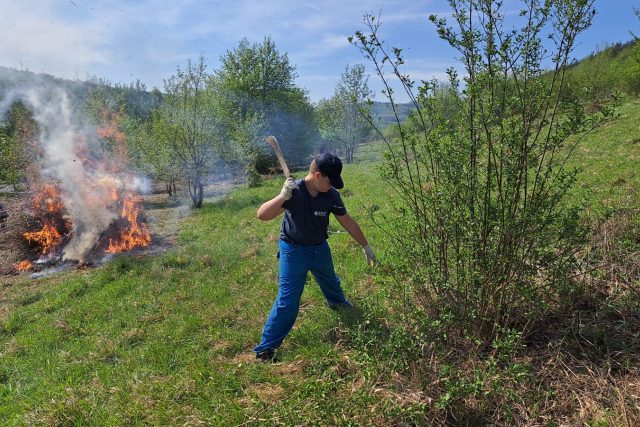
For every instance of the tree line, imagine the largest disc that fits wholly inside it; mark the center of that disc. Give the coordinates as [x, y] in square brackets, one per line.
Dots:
[206, 122]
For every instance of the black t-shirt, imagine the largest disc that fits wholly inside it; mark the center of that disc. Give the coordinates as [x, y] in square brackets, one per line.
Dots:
[306, 218]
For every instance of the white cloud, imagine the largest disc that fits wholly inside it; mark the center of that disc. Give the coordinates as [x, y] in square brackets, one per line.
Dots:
[315, 52]
[32, 36]
[122, 40]
[335, 41]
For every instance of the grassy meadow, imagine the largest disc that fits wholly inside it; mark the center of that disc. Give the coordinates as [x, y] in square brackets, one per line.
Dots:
[167, 339]
[609, 159]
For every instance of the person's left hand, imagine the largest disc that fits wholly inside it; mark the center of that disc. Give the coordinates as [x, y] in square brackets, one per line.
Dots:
[369, 255]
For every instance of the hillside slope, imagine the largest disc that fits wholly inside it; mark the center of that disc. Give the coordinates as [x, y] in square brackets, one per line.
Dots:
[167, 339]
[137, 99]
[385, 115]
[613, 69]
[609, 160]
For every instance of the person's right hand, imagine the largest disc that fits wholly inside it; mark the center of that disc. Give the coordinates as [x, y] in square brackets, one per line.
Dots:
[288, 187]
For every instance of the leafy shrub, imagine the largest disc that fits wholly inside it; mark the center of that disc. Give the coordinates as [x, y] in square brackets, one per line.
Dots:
[483, 238]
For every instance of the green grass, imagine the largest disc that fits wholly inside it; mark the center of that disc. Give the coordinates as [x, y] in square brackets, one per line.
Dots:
[609, 160]
[167, 339]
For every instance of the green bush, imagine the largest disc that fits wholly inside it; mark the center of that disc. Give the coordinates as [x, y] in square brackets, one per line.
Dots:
[16, 144]
[483, 238]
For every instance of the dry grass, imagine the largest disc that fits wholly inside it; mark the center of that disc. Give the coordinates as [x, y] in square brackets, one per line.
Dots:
[614, 256]
[13, 246]
[590, 361]
[583, 361]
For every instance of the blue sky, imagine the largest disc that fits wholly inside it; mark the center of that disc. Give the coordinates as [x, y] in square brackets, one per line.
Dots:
[127, 40]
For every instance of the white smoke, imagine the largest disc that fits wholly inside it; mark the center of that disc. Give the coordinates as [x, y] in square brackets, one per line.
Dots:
[63, 134]
[58, 137]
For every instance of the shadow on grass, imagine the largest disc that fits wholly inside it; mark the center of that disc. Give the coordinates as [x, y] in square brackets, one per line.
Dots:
[593, 336]
[465, 415]
[351, 316]
[360, 329]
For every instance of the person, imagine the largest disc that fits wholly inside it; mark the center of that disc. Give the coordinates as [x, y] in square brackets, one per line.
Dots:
[306, 204]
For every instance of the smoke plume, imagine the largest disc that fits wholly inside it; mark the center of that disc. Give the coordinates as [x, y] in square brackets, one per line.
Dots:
[67, 147]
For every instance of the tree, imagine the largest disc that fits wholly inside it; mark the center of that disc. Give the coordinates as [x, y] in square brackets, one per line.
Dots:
[132, 99]
[342, 119]
[483, 190]
[243, 128]
[256, 76]
[151, 152]
[159, 155]
[17, 145]
[7, 172]
[187, 122]
[257, 96]
[352, 93]
[328, 118]
[294, 121]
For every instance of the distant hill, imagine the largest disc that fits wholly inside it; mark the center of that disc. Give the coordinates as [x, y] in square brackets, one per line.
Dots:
[137, 100]
[384, 112]
[596, 77]
[11, 78]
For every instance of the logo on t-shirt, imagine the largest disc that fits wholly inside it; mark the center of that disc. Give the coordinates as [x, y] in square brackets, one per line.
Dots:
[320, 213]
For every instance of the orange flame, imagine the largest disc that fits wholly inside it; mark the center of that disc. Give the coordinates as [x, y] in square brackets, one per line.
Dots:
[48, 203]
[110, 127]
[23, 266]
[48, 238]
[109, 130]
[109, 192]
[48, 200]
[136, 234]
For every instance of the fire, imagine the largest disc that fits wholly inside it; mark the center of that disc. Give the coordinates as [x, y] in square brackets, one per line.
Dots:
[108, 188]
[48, 200]
[127, 231]
[91, 208]
[110, 127]
[136, 233]
[109, 130]
[48, 205]
[23, 266]
[48, 238]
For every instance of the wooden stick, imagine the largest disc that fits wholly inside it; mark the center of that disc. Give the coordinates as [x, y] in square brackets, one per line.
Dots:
[273, 142]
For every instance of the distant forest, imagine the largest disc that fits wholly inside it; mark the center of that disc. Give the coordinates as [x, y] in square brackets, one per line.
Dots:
[140, 100]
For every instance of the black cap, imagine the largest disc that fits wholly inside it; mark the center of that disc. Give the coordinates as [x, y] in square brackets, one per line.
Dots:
[330, 166]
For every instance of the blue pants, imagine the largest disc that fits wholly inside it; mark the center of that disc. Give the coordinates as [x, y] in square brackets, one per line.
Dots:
[295, 262]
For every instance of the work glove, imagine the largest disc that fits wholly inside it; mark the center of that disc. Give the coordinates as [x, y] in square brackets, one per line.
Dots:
[369, 255]
[288, 187]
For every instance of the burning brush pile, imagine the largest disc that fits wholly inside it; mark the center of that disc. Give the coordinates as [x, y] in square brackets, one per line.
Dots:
[85, 205]
[62, 238]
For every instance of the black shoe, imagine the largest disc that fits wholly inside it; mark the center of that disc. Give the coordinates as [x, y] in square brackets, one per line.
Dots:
[267, 356]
